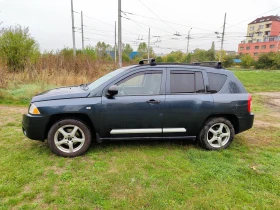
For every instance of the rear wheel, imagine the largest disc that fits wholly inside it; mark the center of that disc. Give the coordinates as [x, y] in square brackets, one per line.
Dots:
[217, 133]
[69, 138]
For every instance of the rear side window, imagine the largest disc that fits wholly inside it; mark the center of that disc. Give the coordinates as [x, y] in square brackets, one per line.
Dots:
[181, 82]
[216, 81]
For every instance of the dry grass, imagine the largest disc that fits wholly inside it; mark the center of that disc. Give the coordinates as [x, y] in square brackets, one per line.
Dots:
[58, 70]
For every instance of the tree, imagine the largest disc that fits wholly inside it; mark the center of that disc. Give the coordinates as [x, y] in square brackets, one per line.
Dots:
[17, 48]
[247, 61]
[102, 50]
[142, 47]
[127, 49]
[211, 52]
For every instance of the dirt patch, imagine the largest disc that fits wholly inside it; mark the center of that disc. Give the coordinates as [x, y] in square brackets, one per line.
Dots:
[273, 98]
[17, 109]
[260, 123]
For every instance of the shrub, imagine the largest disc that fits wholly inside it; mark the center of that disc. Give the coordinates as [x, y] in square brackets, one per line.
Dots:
[17, 48]
[247, 61]
[268, 61]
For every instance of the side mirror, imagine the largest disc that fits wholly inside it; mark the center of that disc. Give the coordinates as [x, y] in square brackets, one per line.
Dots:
[112, 91]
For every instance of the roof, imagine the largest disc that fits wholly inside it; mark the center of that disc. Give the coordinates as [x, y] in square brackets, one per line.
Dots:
[265, 19]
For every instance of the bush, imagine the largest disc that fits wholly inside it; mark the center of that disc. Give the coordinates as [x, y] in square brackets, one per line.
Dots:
[18, 48]
[268, 61]
[228, 61]
[247, 61]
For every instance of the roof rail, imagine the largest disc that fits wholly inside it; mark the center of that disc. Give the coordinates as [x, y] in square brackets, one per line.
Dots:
[151, 61]
[214, 64]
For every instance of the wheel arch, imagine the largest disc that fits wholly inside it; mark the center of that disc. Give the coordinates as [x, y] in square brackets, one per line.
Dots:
[230, 117]
[77, 116]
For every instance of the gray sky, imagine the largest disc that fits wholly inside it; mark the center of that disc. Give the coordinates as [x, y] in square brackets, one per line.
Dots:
[49, 21]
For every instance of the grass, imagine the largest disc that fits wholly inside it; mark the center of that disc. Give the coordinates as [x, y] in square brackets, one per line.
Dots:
[259, 80]
[21, 94]
[140, 174]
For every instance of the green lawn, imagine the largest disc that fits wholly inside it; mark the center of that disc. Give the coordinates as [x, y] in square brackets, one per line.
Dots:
[143, 174]
[259, 80]
[140, 175]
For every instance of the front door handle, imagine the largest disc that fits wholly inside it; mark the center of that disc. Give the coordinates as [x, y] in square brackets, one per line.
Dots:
[152, 101]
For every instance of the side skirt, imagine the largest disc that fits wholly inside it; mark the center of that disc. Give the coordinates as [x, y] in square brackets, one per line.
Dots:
[99, 140]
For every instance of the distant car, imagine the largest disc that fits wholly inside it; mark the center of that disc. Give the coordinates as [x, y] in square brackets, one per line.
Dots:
[145, 101]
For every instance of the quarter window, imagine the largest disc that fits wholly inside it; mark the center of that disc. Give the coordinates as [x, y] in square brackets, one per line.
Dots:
[140, 84]
[216, 81]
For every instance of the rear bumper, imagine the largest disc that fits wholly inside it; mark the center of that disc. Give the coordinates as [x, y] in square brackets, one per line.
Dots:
[34, 126]
[246, 122]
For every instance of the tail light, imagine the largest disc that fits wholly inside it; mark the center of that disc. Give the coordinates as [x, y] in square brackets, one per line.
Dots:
[250, 103]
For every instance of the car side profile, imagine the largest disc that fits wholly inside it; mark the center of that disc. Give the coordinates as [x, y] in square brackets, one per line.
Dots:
[146, 101]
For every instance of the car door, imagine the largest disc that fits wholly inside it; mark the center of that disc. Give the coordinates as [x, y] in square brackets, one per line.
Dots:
[137, 109]
[187, 104]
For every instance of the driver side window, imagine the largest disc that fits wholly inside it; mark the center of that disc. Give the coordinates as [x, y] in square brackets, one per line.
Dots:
[140, 84]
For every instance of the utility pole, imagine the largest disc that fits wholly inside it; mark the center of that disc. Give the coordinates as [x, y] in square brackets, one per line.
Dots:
[188, 40]
[82, 27]
[223, 36]
[73, 29]
[120, 31]
[149, 46]
[115, 42]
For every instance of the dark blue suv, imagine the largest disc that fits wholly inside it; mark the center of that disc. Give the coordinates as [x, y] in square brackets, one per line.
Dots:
[146, 101]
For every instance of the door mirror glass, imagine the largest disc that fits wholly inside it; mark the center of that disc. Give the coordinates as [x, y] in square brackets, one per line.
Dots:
[113, 90]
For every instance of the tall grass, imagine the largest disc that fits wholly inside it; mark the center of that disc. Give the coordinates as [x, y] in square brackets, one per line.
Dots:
[58, 70]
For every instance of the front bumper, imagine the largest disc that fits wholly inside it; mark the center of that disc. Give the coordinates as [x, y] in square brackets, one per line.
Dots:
[246, 122]
[34, 126]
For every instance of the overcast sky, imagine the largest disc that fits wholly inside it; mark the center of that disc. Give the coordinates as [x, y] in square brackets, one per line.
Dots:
[49, 21]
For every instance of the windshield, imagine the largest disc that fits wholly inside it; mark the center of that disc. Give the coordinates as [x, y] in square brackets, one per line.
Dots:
[105, 78]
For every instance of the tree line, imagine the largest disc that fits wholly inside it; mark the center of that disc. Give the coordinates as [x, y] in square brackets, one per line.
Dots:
[18, 49]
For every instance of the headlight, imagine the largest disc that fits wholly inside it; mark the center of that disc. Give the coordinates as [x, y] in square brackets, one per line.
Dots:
[33, 109]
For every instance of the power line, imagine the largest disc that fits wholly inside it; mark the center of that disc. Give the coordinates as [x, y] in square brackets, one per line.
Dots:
[167, 21]
[253, 17]
[156, 15]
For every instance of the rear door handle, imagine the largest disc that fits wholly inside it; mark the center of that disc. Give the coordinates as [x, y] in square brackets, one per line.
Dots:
[152, 101]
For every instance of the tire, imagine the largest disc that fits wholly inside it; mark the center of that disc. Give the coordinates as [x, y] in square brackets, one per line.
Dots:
[216, 134]
[64, 141]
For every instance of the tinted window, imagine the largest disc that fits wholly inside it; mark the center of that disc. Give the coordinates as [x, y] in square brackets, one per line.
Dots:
[216, 81]
[140, 84]
[182, 83]
[199, 83]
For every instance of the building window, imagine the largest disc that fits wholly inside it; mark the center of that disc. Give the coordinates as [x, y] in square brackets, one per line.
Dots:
[247, 48]
[259, 33]
[267, 33]
[268, 25]
[256, 53]
[257, 47]
[259, 40]
[250, 34]
[252, 28]
[263, 47]
[272, 46]
[250, 41]
[241, 48]
[261, 26]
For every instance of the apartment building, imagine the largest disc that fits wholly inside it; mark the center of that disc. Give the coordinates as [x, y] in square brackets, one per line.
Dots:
[263, 36]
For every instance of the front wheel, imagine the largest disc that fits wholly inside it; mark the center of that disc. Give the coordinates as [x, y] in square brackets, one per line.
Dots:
[69, 138]
[217, 133]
